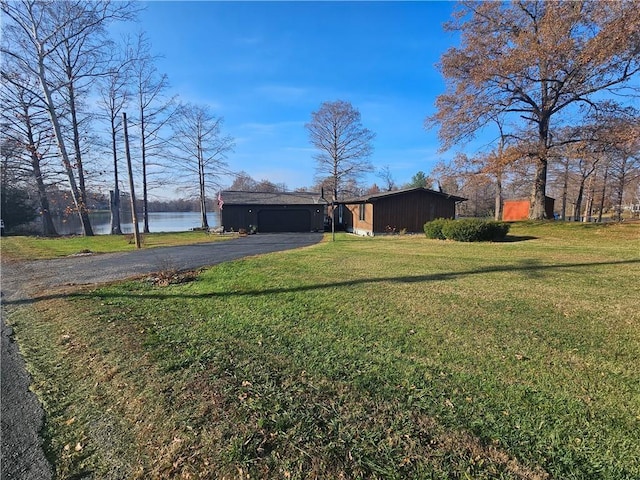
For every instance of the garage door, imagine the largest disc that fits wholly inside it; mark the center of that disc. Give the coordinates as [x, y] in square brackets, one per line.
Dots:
[285, 220]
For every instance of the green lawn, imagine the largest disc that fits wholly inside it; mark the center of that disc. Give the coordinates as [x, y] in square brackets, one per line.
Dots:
[34, 248]
[387, 357]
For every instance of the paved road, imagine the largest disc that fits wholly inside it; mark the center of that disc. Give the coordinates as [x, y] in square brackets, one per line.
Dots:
[26, 282]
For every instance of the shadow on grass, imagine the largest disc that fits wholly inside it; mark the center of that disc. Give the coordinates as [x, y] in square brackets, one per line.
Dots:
[516, 238]
[530, 268]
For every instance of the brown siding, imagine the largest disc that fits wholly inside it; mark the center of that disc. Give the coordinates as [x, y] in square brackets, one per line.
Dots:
[351, 218]
[411, 211]
[408, 210]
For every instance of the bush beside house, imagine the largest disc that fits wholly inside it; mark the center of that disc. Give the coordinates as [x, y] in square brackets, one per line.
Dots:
[466, 230]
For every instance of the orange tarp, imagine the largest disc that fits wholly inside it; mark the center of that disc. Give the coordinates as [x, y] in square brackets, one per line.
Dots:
[513, 210]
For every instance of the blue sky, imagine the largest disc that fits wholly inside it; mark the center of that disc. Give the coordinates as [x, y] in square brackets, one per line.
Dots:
[265, 66]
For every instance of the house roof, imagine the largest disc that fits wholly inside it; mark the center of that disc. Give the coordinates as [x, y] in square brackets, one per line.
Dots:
[233, 197]
[377, 196]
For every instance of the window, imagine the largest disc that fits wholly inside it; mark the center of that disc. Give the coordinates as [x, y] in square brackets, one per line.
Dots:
[361, 211]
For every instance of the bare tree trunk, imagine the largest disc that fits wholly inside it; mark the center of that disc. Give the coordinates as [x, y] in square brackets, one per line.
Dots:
[498, 201]
[114, 206]
[588, 208]
[565, 189]
[604, 191]
[48, 228]
[537, 210]
[578, 204]
[621, 181]
[145, 198]
[55, 122]
[76, 138]
[538, 196]
[203, 201]
[134, 215]
[114, 200]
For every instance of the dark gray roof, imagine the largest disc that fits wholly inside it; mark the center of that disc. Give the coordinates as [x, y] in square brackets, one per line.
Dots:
[231, 197]
[375, 196]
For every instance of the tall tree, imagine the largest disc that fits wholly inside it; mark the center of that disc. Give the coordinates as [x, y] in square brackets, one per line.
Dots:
[114, 95]
[201, 148]
[624, 166]
[155, 110]
[26, 127]
[37, 34]
[535, 61]
[79, 59]
[344, 145]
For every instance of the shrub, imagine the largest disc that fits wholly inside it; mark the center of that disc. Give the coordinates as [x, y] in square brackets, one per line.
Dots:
[497, 231]
[433, 229]
[467, 230]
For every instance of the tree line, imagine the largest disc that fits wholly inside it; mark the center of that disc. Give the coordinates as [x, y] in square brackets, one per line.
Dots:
[555, 83]
[65, 87]
[550, 88]
[551, 84]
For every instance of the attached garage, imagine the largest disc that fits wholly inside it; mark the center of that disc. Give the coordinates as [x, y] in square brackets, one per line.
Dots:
[285, 220]
[270, 212]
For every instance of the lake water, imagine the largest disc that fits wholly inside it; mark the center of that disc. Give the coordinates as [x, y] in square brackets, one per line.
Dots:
[158, 222]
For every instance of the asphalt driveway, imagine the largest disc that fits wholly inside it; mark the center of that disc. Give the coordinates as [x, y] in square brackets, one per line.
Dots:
[26, 282]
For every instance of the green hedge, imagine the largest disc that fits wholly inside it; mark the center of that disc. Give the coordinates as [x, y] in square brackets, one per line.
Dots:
[434, 229]
[466, 230]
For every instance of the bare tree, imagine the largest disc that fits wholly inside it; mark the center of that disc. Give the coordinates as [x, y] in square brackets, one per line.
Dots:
[625, 165]
[387, 177]
[243, 182]
[268, 186]
[15, 202]
[344, 145]
[534, 61]
[463, 177]
[75, 62]
[39, 34]
[201, 148]
[114, 96]
[25, 125]
[155, 110]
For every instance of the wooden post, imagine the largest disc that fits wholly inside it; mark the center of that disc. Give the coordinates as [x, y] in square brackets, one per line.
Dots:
[134, 215]
[333, 219]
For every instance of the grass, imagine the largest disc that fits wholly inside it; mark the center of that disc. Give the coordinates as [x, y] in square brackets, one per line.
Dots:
[386, 357]
[38, 248]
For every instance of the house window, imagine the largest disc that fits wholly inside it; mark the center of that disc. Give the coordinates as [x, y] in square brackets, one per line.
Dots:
[361, 211]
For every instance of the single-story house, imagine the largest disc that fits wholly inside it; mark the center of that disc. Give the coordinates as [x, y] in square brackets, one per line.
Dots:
[406, 209]
[518, 209]
[272, 212]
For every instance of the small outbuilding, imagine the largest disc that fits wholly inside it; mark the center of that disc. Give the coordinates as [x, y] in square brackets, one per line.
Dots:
[518, 209]
[399, 210]
[272, 212]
